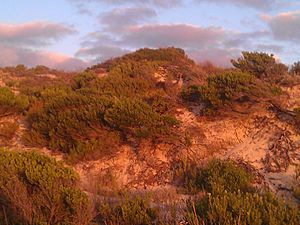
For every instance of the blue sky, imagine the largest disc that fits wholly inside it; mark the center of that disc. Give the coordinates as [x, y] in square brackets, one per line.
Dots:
[70, 34]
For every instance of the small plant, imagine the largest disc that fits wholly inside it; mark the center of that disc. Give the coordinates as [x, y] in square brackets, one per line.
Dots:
[10, 103]
[275, 89]
[129, 211]
[8, 130]
[296, 190]
[216, 176]
[295, 69]
[241, 208]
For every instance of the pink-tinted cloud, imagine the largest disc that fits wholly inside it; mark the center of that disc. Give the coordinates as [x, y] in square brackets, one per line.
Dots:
[218, 56]
[201, 43]
[255, 4]
[159, 3]
[118, 20]
[101, 52]
[33, 33]
[11, 56]
[161, 35]
[285, 26]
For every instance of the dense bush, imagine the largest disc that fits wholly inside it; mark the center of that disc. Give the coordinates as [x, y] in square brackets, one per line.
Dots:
[295, 69]
[128, 211]
[10, 103]
[220, 89]
[35, 189]
[229, 198]
[215, 176]
[71, 123]
[7, 131]
[94, 115]
[242, 208]
[262, 65]
[296, 190]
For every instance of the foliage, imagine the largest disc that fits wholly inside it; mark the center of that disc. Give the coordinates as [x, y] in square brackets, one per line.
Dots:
[229, 198]
[10, 103]
[35, 189]
[262, 65]
[7, 131]
[215, 176]
[275, 89]
[137, 118]
[94, 115]
[295, 69]
[242, 208]
[296, 190]
[129, 211]
[220, 89]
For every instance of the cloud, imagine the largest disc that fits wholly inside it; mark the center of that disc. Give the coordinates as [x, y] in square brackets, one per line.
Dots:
[157, 3]
[284, 26]
[118, 20]
[218, 56]
[201, 43]
[255, 4]
[34, 34]
[269, 47]
[161, 35]
[14, 55]
[101, 53]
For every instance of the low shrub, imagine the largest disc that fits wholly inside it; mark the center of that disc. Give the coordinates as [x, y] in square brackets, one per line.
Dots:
[35, 189]
[241, 208]
[228, 197]
[296, 189]
[10, 103]
[129, 211]
[220, 89]
[86, 123]
[295, 69]
[7, 131]
[216, 176]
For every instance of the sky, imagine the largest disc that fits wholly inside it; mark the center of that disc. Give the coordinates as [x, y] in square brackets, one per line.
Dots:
[73, 34]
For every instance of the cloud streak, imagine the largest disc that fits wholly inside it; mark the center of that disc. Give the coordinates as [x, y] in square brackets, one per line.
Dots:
[155, 3]
[34, 34]
[118, 20]
[16, 55]
[255, 4]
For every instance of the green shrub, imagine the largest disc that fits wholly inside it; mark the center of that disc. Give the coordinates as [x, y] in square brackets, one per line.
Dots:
[220, 89]
[137, 118]
[88, 122]
[10, 103]
[223, 176]
[7, 131]
[216, 176]
[242, 208]
[129, 211]
[295, 69]
[35, 189]
[229, 198]
[275, 89]
[296, 189]
[262, 65]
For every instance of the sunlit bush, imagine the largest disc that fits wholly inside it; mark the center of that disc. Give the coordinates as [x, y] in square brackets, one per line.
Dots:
[35, 189]
[10, 103]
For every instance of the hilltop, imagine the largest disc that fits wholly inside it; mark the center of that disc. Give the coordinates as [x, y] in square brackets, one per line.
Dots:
[151, 121]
